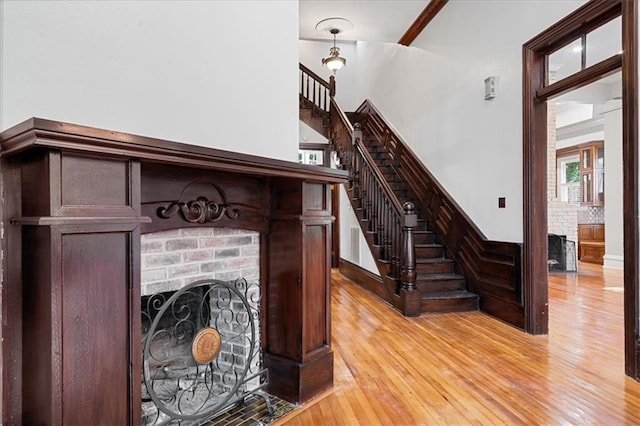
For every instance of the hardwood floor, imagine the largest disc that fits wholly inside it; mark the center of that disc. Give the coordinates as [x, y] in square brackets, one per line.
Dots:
[468, 368]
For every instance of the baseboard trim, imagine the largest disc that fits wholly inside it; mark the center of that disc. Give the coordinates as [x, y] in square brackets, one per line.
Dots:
[357, 273]
[613, 261]
[365, 279]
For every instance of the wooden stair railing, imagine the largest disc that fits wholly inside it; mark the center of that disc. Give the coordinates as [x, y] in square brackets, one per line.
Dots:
[388, 225]
[402, 209]
[493, 269]
[314, 97]
[427, 282]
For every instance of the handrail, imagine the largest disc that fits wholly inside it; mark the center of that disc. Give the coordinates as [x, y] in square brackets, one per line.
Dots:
[379, 206]
[371, 164]
[315, 93]
[335, 108]
[315, 76]
[369, 161]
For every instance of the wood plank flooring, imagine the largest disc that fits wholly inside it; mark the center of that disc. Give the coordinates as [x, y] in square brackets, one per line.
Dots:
[468, 368]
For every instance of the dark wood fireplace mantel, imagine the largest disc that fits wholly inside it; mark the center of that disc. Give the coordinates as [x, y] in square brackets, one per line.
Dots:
[75, 200]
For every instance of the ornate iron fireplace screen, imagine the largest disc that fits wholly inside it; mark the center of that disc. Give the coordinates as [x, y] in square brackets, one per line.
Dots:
[201, 351]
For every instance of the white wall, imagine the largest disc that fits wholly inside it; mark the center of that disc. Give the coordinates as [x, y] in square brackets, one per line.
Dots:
[613, 202]
[311, 54]
[309, 135]
[349, 220]
[198, 72]
[433, 94]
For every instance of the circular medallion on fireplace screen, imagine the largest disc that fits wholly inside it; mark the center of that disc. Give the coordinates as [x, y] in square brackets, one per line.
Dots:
[206, 345]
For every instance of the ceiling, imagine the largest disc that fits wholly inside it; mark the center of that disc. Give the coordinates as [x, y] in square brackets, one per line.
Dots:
[379, 20]
[388, 20]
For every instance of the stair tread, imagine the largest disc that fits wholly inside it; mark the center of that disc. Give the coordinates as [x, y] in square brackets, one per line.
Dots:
[438, 277]
[428, 245]
[457, 294]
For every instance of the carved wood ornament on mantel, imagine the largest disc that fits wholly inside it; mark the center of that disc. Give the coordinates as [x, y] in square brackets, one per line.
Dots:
[201, 210]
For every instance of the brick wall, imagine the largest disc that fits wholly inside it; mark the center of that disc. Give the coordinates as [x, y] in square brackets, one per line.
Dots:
[551, 150]
[562, 218]
[172, 259]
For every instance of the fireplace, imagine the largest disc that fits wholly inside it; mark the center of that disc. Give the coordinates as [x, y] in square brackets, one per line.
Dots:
[76, 204]
[200, 323]
[561, 254]
[201, 351]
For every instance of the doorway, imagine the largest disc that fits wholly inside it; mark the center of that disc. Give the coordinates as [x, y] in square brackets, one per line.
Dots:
[537, 89]
[584, 173]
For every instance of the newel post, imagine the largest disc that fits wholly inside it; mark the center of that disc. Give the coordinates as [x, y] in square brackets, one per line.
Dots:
[332, 86]
[357, 135]
[409, 293]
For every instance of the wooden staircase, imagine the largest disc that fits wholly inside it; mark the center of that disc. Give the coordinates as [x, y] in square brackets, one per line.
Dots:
[417, 273]
[442, 288]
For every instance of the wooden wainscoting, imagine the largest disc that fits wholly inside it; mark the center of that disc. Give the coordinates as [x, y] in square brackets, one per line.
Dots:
[469, 368]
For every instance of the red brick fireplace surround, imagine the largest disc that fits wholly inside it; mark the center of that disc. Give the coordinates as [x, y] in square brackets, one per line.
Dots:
[75, 201]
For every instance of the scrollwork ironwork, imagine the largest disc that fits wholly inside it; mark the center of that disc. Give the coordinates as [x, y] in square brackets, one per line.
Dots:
[178, 388]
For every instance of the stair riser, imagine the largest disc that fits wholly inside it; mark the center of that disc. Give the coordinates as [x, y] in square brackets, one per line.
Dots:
[441, 285]
[429, 252]
[423, 238]
[422, 225]
[435, 268]
[450, 305]
[372, 238]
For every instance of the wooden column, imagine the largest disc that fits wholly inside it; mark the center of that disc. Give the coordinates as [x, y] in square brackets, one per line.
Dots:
[80, 289]
[298, 352]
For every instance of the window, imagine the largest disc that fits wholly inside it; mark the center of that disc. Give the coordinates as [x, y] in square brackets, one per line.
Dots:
[585, 50]
[315, 154]
[569, 179]
[311, 157]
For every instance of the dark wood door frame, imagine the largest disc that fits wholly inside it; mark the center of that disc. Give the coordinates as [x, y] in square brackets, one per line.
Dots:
[536, 92]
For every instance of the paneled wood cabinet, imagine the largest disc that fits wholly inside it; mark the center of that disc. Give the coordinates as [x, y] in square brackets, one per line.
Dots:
[591, 243]
[592, 174]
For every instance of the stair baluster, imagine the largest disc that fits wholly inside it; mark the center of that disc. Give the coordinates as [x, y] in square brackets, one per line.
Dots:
[315, 96]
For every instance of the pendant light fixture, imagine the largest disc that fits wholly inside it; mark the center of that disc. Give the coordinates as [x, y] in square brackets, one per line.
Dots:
[333, 27]
[334, 61]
